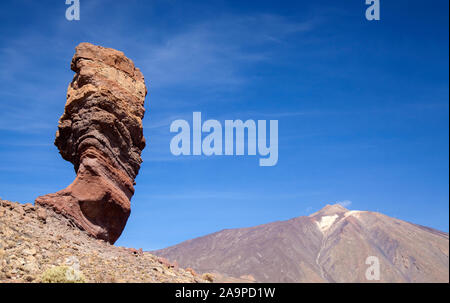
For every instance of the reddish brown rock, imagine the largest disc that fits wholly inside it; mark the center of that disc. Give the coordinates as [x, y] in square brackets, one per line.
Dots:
[41, 214]
[167, 263]
[101, 133]
[136, 252]
[193, 272]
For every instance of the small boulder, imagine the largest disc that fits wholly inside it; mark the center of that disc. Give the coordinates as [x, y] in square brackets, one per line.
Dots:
[41, 214]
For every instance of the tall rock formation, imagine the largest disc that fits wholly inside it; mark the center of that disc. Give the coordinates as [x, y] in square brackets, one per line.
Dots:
[101, 133]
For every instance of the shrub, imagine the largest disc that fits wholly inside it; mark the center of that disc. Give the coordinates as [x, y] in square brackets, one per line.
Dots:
[62, 274]
[208, 277]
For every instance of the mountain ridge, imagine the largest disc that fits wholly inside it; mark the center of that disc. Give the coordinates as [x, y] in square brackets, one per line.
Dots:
[330, 245]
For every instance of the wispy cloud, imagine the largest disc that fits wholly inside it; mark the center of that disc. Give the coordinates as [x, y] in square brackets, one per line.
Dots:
[25, 120]
[229, 195]
[345, 203]
[217, 52]
[210, 54]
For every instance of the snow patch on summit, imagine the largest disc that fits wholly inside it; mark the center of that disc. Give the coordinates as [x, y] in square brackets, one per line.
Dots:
[326, 222]
[354, 213]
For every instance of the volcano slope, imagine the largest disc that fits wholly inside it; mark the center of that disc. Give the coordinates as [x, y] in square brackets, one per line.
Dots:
[331, 245]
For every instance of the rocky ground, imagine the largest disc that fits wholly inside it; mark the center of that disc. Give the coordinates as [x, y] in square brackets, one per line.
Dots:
[38, 245]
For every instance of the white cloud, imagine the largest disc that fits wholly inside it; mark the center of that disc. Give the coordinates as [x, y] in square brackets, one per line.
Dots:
[345, 203]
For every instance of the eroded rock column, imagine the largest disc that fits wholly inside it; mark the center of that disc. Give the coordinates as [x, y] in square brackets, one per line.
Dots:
[101, 133]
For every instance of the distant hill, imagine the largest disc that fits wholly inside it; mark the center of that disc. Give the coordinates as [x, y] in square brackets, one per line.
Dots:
[331, 245]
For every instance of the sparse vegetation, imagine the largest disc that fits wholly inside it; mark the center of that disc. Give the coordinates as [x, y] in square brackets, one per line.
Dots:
[62, 274]
[208, 277]
[38, 245]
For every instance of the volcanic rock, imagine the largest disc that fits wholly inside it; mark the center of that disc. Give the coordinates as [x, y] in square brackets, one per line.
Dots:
[101, 134]
[31, 251]
[331, 245]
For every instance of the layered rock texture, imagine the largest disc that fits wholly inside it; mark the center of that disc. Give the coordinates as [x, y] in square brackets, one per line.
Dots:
[331, 245]
[101, 133]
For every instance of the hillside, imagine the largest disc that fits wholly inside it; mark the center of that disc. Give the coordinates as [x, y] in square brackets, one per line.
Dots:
[331, 245]
[38, 245]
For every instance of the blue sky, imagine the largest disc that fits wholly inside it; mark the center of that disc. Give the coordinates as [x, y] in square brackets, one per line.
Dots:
[362, 106]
